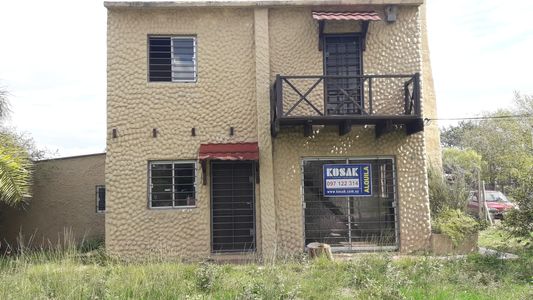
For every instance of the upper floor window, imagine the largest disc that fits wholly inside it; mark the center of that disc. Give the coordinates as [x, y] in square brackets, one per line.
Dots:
[172, 58]
[172, 184]
[100, 198]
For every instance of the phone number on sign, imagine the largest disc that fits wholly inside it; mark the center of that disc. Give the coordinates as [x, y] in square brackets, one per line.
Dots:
[342, 183]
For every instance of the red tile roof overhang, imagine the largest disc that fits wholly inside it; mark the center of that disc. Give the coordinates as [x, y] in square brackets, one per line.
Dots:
[346, 16]
[236, 151]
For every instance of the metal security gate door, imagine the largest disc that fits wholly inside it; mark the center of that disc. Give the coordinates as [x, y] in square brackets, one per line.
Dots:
[343, 57]
[233, 206]
[351, 223]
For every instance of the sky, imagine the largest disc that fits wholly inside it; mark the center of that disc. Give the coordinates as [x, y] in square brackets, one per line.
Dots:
[53, 63]
[481, 52]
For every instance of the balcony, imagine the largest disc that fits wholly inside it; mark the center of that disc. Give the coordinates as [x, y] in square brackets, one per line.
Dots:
[385, 101]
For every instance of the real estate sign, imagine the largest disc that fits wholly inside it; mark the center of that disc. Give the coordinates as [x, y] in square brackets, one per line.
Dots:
[347, 180]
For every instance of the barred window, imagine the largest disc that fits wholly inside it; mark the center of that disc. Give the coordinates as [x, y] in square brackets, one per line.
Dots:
[172, 184]
[100, 198]
[172, 59]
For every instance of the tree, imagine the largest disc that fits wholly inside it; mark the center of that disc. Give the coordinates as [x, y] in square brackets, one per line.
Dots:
[462, 165]
[26, 141]
[505, 144]
[519, 222]
[445, 194]
[452, 137]
[4, 104]
[15, 163]
[15, 171]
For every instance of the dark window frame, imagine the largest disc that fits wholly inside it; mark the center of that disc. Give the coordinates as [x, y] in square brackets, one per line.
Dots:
[391, 192]
[173, 192]
[171, 79]
[98, 188]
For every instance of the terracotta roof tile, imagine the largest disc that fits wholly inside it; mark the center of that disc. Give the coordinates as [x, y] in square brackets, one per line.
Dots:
[237, 151]
[342, 16]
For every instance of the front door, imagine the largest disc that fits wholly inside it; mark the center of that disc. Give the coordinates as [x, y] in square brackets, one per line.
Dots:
[343, 56]
[233, 206]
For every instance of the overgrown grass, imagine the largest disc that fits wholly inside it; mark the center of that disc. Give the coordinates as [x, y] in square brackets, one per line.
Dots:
[497, 238]
[71, 275]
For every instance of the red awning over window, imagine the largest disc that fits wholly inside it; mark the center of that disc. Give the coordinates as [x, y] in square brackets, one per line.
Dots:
[238, 151]
[342, 16]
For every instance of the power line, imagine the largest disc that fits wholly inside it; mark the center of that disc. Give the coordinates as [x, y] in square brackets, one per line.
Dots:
[480, 118]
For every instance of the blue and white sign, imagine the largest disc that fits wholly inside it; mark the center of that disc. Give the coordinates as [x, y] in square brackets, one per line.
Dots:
[350, 180]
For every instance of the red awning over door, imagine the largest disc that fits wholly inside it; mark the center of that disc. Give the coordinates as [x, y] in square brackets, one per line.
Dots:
[237, 151]
[342, 16]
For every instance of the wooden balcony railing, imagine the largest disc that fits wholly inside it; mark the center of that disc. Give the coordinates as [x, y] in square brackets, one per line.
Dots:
[380, 100]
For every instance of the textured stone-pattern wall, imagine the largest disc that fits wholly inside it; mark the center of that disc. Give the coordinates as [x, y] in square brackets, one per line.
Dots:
[391, 49]
[223, 96]
[63, 205]
[291, 147]
[232, 91]
[266, 203]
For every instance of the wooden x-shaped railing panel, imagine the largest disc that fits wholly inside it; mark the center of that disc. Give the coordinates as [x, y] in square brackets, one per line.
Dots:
[411, 95]
[303, 97]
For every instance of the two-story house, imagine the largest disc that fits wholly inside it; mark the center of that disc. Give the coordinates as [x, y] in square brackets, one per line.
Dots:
[261, 126]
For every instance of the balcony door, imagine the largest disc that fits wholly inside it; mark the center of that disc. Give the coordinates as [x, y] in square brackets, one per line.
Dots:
[343, 57]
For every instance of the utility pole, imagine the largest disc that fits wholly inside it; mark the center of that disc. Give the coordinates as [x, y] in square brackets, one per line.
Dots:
[485, 207]
[479, 191]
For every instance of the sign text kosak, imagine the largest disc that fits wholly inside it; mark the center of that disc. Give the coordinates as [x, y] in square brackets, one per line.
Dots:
[347, 180]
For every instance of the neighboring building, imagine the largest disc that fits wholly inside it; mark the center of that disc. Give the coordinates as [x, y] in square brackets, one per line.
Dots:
[68, 204]
[261, 126]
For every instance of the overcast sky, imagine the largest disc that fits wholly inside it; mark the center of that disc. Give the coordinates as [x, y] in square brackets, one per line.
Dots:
[52, 61]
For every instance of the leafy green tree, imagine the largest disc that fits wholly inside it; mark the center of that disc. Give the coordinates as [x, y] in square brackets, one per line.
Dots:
[460, 172]
[505, 144]
[4, 104]
[453, 135]
[15, 171]
[26, 141]
[462, 165]
[445, 194]
[519, 222]
[15, 163]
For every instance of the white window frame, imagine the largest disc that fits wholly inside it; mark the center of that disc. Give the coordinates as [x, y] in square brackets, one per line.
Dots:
[98, 210]
[173, 162]
[195, 58]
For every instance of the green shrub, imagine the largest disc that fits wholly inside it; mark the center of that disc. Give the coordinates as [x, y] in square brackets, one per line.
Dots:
[270, 282]
[444, 194]
[206, 276]
[462, 165]
[519, 222]
[91, 245]
[455, 224]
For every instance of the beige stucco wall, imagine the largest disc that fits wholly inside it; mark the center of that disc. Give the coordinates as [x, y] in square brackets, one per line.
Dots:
[223, 97]
[391, 49]
[63, 203]
[408, 153]
[239, 50]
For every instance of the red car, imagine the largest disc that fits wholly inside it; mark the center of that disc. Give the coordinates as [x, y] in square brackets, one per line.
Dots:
[497, 204]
